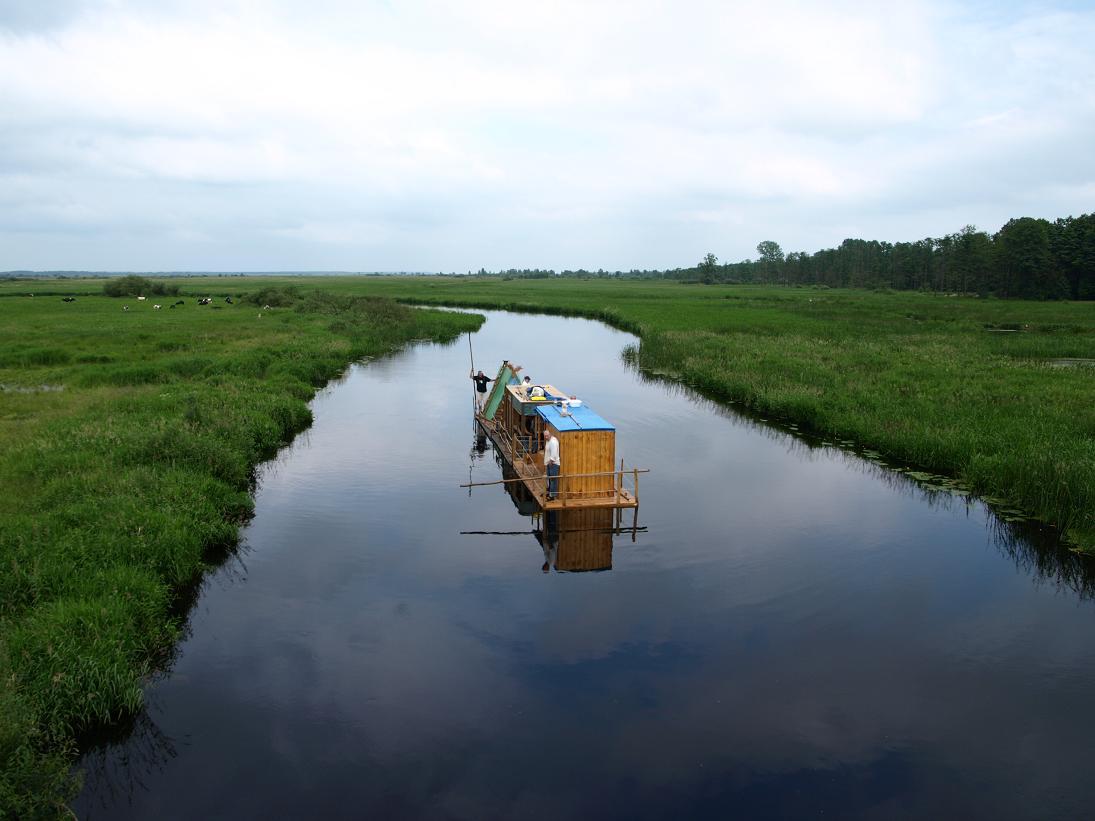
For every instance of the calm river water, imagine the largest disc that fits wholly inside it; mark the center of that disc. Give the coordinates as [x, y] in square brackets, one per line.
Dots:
[795, 632]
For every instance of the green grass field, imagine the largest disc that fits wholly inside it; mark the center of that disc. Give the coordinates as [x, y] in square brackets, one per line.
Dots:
[131, 474]
[127, 445]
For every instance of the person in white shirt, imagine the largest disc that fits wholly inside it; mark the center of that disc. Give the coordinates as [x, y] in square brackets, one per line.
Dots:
[551, 462]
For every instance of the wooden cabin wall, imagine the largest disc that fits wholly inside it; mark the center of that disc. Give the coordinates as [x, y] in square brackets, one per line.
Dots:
[587, 451]
[542, 428]
[512, 414]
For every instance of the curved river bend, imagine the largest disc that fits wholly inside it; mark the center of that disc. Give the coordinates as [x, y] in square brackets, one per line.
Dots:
[795, 632]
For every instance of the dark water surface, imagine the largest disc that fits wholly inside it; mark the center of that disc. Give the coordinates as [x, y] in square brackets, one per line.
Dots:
[798, 632]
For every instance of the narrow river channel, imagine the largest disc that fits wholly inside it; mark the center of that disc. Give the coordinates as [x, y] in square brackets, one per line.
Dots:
[790, 630]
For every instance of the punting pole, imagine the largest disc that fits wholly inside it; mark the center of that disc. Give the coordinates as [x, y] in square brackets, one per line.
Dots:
[474, 403]
[474, 407]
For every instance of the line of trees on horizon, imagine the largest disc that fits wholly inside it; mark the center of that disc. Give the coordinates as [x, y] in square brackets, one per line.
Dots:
[1028, 258]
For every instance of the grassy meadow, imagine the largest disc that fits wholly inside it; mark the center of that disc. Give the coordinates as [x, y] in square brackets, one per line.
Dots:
[127, 446]
[128, 438]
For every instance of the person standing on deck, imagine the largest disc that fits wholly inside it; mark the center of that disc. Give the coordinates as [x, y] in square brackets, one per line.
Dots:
[551, 463]
[481, 380]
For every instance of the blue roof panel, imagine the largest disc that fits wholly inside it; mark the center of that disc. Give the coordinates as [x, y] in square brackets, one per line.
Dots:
[580, 418]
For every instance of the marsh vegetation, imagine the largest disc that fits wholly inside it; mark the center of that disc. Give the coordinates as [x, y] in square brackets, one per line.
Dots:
[127, 445]
[131, 435]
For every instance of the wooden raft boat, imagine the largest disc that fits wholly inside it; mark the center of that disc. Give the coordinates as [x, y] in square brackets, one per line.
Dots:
[517, 422]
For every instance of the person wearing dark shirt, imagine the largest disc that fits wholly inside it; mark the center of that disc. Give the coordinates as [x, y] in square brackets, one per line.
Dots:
[481, 380]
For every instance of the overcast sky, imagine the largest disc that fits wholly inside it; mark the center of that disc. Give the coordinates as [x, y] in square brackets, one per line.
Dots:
[251, 135]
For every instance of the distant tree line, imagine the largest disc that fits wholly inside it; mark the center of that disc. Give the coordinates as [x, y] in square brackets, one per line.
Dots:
[1028, 258]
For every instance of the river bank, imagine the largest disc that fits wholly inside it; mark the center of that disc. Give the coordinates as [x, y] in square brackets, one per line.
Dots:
[129, 439]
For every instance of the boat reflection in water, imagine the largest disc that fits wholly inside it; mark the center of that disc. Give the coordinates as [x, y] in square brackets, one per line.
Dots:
[571, 540]
[576, 540]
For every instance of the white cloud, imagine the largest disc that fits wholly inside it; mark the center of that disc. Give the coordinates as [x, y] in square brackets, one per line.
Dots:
[461, 135]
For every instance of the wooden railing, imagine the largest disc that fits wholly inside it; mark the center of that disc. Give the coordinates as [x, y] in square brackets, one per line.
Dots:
[516, 446]
[617, 490]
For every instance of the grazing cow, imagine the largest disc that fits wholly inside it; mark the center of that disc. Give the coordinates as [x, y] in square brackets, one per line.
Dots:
[171, 307]
[125, 307]
[266, 307]
[68, 299]
[228, 299]
[180, 302]
[157, 307]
